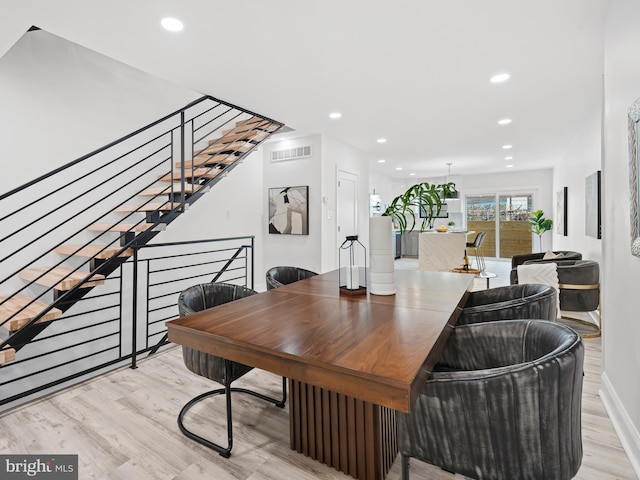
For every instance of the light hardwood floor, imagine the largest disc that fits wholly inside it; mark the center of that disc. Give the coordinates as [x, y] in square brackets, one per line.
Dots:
[123, 426]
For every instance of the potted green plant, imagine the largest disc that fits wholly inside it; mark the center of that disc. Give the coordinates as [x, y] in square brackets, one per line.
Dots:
[425, 197]
[539, 224]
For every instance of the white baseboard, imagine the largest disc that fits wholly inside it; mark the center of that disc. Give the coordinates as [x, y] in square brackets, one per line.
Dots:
[622, 424]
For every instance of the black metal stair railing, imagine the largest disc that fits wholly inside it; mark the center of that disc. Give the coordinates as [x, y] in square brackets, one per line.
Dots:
[114, 325]
[58, 208]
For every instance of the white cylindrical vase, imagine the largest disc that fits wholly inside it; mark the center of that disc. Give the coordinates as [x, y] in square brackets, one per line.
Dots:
[382, 276]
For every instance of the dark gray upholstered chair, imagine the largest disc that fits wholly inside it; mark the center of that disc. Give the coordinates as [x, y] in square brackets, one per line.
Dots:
[220, 370]
[509, 303]
[279, 276]
[503, 404]
[538, 257]
[579, 285]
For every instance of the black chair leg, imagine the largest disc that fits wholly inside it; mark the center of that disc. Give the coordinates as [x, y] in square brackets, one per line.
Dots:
[284, 393]
[278, 403]
[405, 466]
[225, 451]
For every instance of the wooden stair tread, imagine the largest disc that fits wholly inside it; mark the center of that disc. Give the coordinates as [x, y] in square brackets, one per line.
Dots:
[240, 129]
[197, 173]
[232, 130]
[16, 303]
[271, 127]
[248, 121]
[225, 147]
[247, 136]
[204, 160]
[259, 136]
[100, 252]
[229, 138]
[265, 125]
[60, 278]
[120, 227]
[247, 127]
[7, 355]
[149, 207]
[166, 189]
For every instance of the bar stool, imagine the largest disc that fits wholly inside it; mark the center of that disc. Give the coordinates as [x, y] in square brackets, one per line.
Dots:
[477, 247]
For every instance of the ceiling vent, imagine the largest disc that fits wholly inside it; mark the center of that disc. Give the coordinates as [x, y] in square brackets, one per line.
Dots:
[290, 154]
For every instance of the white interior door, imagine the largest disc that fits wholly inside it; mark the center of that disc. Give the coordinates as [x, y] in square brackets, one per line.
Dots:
[347, 209]
[347, 205]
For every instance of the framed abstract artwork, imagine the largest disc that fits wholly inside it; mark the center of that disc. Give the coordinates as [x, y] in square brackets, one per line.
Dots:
[561, 211]
[634, 170]
[593, 213]
[289, 210]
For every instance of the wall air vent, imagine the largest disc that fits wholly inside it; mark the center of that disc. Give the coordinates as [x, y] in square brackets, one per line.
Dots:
[290, 154]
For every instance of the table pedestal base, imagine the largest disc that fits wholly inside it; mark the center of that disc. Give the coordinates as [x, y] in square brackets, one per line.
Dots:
[350, 435]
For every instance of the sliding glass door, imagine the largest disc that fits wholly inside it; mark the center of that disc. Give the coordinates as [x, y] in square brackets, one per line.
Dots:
[504, 217]
[514, 226]
[481, 217]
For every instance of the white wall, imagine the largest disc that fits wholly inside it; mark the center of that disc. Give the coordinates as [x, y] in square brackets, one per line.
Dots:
[338, 156]
[318, 250]
[582, 158]
[296, 250]
[621, 270]
[60, 101]
[388, 188]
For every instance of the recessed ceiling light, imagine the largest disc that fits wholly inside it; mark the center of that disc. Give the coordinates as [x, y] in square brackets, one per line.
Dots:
[507, 147]
[381, 140]
[335, 115]
[172, 24]
[412, 174]
[398, 168]
[509, 166]
[504, 121]
[381, 161]
[500, 77]
[508, 158]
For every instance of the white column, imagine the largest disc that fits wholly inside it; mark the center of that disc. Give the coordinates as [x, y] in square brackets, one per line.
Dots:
[382, 269]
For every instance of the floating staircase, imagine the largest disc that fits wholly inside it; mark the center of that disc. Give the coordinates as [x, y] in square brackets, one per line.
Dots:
[98, 252]
[121, 227]
[22, 317]
[28, 309]
[61, 279]
[175, 188]
[198, 174]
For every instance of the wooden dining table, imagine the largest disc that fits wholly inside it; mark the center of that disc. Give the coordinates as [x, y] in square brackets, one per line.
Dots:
[351, 361]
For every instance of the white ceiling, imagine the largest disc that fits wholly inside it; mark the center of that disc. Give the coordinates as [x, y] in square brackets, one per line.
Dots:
[415, 72]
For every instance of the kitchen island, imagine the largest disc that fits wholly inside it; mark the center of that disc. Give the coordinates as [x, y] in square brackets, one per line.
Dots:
[442, 251]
